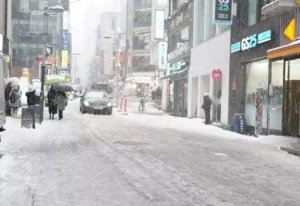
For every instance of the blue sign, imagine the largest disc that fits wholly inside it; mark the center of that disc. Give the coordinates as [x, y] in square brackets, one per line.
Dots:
[66, 70]
[65, 39]
[252, 41]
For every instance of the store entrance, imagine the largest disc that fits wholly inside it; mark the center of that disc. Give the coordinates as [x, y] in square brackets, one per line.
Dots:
[291, 106]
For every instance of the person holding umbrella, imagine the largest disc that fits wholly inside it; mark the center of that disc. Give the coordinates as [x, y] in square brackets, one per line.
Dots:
[51, 101]
[61, 97]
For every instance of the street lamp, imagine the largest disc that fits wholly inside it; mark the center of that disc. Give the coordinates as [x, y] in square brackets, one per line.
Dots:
[118, 70]
[47, 12]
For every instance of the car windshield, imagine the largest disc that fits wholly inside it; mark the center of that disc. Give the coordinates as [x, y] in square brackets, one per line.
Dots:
[95, 94]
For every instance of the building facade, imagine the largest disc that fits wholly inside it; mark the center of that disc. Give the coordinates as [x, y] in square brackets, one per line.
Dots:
[28, 25]
[264, 74]
[210, 52]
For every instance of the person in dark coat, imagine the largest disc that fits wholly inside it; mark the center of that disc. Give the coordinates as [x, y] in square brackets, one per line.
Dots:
[31, 98]
[207, 102]
[14, 102]
[158, 94]
[60, 101]
[51, 100]
[153, 95]
[8, 90]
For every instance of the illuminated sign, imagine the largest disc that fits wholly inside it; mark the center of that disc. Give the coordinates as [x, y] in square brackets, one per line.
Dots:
[64, 59]
[162, 56]
[252, 41]
[223, 12]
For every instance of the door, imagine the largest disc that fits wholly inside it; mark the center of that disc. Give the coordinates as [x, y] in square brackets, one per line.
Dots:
[291, 108]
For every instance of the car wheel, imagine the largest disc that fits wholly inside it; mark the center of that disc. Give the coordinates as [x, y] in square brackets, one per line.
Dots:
[109, 111]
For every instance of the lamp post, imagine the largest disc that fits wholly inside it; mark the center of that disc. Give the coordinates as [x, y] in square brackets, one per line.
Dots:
[118, 70]
[47, 12]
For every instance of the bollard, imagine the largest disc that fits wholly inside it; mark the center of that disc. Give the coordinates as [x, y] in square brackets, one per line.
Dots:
[120, 110]
[125, 107]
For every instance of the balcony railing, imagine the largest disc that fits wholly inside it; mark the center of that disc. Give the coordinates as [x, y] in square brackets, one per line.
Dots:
[278, 6]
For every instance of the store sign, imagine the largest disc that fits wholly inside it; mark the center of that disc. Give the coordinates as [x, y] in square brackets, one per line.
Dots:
[64, 59]
[66, 20]
[177, 66]
[162, 56]
[223, 11]
[252, 41]
[65, 39]
[159, 24]
[216, 74]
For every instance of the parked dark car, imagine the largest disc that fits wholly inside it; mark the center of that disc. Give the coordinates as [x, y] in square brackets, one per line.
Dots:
[95, 101]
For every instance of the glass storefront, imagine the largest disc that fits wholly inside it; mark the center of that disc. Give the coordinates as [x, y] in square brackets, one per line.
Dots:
[256, 77]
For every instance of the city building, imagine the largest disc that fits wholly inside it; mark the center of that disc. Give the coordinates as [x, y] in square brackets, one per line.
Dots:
[179, 56]
[5, 36]
[264, 66]
[138, 33]
[28, 26]
[211, 45]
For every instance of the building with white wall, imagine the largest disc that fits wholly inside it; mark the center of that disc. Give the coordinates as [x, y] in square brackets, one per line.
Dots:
[211, 51]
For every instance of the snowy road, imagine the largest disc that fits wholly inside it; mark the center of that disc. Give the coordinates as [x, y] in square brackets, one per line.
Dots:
[139, 160]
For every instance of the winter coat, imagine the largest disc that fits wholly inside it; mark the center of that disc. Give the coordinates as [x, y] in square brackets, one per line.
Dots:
[8, 90]
[14, 99]
[31, 98]
[51, 96]
[207, 102]
[158, 93]
[60, 100]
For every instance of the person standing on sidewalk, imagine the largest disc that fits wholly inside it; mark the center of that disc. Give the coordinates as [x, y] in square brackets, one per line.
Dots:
[8, 90]
[14, 102]
[52, 106]
[158, 95]
[60, 101]
[207, 102]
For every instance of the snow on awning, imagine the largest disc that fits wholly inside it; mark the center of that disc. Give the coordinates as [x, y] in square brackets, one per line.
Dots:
[286, 50]
[174, 74]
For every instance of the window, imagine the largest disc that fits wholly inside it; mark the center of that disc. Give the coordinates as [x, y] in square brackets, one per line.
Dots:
[252, 12]
[211, 26]
[200, 21]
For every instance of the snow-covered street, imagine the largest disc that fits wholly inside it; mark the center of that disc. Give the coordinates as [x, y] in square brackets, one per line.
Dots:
[142, 159]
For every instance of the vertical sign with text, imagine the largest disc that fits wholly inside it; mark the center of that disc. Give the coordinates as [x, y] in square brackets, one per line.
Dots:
[65, 39]
[159, 24]
[162, 56]
[223, 12]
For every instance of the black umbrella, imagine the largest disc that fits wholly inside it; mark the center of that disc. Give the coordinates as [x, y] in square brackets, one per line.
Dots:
[63, 88]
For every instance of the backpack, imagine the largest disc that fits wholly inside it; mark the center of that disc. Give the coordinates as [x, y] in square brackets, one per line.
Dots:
[13, 97]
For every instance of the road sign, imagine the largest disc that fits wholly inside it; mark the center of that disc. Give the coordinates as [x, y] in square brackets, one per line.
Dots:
[290, 30]
[216, 74]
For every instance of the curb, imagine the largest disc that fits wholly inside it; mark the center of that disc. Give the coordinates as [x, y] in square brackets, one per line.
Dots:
[291, 151]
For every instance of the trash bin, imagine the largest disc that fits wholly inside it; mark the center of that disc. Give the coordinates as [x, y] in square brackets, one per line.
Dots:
[239, 123]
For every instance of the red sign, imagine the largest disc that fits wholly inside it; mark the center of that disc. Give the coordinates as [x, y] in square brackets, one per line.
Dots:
[216, 74]
[234, 85]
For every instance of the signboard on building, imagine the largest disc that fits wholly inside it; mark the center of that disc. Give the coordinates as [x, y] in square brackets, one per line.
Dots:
[64, 59]
[162, 55]
[223, 11]
[216, 75]
[66, 20]
[65, 39]
[159, 24]
[252, 41]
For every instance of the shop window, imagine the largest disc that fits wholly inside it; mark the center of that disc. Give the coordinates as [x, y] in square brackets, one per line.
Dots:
[256, 77]
[252, 12]
[276, 96]
[199, 26]
[211, 26]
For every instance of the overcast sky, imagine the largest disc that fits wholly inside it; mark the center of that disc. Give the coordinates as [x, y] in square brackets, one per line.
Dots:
[84, 18]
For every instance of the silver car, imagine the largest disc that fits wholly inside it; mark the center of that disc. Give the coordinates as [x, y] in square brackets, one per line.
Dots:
[96, 102]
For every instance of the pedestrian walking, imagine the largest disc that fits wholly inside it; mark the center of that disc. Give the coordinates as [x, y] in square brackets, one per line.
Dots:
[158, 95]
[60, 101]
[8, 90]
[153, 96]
[207, 102]
[51, 101]
[142, 104]
[14, 102]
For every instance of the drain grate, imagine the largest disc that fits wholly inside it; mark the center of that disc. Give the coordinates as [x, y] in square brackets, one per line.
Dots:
[130, 143]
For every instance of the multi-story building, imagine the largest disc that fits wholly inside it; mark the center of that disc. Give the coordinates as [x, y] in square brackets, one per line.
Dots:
[264, 66]
[138, 33]
[211, 43]
[5, 36]
[28, 27]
